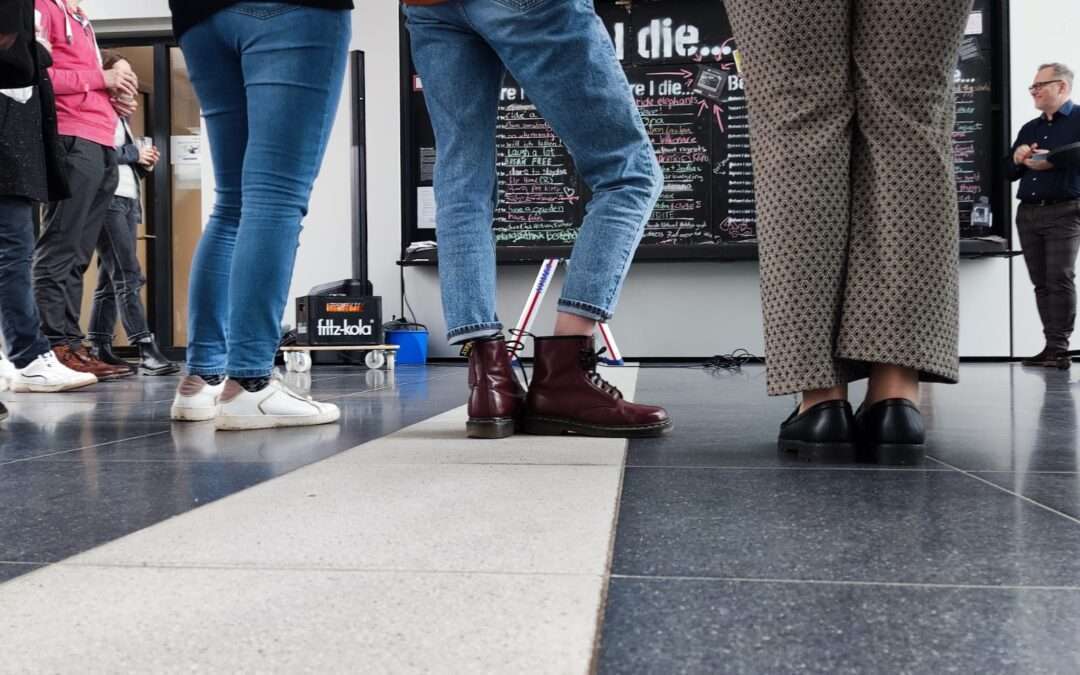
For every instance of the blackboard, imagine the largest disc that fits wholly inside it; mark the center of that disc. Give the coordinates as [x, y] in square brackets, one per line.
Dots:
[679, 59]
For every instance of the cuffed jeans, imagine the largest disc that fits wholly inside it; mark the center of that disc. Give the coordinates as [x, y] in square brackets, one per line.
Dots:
[460, 49]
[269, 77]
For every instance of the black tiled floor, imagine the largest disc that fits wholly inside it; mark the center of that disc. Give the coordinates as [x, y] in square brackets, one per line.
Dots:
[689, 626]
[1059, 491]
[79, 472]
[730, 559]
[885, 526]
[12, 570]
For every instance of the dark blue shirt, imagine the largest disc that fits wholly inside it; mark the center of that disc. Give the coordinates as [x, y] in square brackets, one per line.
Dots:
[1056, 185]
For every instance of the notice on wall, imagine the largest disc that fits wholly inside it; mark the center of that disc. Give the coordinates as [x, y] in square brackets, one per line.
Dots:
[425, 207]
[185, 149]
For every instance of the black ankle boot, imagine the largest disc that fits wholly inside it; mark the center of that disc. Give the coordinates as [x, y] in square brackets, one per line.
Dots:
[824, 433]
[152, 361]
[103, 351]
[892, 432]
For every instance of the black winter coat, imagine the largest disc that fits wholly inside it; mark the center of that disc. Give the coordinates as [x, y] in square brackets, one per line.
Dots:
[31, 155]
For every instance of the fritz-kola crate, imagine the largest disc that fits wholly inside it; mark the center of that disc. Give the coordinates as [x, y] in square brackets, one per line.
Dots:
[338, 320]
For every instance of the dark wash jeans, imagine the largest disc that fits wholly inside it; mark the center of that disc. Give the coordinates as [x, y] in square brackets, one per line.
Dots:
[120, 277]
[19, 321]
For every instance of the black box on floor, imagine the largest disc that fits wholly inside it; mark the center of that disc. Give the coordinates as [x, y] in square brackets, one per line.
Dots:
[338, 321]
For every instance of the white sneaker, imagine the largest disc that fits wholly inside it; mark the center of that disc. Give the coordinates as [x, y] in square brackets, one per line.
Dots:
[195, 400]
[7, 373]
[274, 406]
[46, 374]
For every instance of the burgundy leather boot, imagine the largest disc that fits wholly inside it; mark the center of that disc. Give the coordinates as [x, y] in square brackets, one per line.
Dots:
[496, 398]
[567, 395]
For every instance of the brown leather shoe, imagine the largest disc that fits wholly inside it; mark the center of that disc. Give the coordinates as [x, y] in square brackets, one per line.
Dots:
[496, 398]
[81, 361]
[567, 395]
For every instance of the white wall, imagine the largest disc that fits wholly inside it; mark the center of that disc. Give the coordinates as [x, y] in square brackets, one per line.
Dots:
[118, 17]
[107, 10]
[1042, 31]
[667, 309]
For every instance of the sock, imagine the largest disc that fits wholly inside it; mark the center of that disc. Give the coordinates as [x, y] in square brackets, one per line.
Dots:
[252, 384]
[213, 380]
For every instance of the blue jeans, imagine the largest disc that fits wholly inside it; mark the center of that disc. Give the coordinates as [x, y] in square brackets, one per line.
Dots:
[268, 76]
[460, 49]
[120, 277]
[19, 320]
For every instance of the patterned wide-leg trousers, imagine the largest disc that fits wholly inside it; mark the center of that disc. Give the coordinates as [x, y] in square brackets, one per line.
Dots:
[851, 120]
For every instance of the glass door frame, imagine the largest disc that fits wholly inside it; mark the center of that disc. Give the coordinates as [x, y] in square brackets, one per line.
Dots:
[158, 197]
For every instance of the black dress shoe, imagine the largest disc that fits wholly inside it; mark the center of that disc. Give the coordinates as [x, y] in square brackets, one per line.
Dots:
[103, 351]
[152, 361]
[1049, 358]
[892, 432]
[824, 433]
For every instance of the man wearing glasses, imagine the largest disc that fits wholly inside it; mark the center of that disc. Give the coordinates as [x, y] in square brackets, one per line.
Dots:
[1049, 216]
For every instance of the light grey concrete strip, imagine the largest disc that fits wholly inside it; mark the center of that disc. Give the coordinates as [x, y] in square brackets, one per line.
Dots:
[419, 552]
[338, 513]
[117, 620]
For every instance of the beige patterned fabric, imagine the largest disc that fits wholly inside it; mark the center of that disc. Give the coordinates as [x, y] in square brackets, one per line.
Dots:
[851, 119]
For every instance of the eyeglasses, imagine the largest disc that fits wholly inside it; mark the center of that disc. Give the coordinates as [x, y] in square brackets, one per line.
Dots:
[1037, 87]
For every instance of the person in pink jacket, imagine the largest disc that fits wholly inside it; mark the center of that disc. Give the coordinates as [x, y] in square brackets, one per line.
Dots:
[87, 100]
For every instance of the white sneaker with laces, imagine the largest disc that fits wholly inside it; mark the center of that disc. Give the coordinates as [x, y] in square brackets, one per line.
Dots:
[195, 400]
[46, 374]
[274, 406]
[7, 373]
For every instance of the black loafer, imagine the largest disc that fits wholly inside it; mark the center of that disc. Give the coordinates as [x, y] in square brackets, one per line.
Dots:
[892, 432]
[1049, 359]
[824, 433]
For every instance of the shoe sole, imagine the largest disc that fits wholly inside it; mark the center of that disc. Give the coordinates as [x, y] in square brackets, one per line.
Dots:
[151, 372]
[491, 428]
[818, 453]
[49, 389]
[249, 422]
[192, 414]
[552, 426]
[897, 454]
[117, 376]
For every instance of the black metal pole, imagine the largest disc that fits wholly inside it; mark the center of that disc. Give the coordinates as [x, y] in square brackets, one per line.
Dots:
[359, 174]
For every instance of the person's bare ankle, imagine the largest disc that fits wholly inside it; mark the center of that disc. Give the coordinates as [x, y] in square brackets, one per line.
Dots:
[816, 396]
[567, 324]
[889, 381]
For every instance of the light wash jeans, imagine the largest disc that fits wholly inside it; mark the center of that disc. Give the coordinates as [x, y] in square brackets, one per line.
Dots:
[561, 55]
[269, 77]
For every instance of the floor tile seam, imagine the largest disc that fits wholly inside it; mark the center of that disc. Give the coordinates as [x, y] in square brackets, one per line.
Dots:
[1019, 496]
[85, 447]
[300, 569]
[844, 582]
